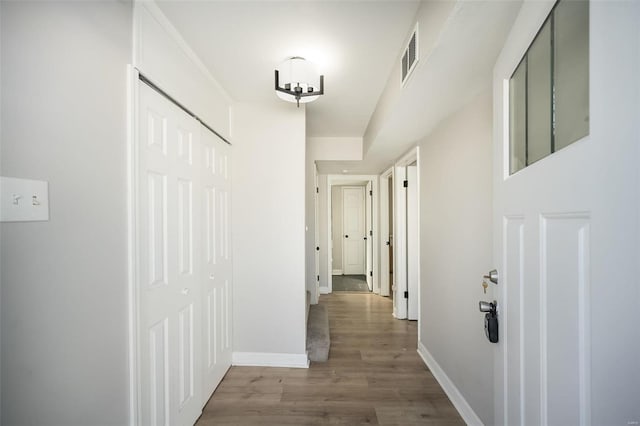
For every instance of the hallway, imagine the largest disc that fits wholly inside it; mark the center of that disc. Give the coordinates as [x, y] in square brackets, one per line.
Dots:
[374, 376]
[350, 283]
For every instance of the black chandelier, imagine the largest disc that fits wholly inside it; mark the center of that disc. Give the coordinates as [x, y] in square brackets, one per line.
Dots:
[301, 81]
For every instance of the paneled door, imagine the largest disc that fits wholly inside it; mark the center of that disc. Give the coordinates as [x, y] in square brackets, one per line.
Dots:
[566, 208]
[413, 243]
[369, 232]
[169, 272]
[400, 307]
[353, 238]
[216, 162]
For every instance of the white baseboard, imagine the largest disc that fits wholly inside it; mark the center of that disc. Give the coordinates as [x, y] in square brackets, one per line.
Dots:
[458, 401]
[259, 359]
[336, 272]
[324, 290]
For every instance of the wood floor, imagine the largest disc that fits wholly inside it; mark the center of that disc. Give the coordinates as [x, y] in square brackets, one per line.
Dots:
[374, 376]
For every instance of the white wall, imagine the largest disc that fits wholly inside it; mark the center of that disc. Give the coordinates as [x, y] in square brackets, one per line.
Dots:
[334, 148]
[455, 250]
[269, 229]
[64, 282]
[336, 227]
[162, 55]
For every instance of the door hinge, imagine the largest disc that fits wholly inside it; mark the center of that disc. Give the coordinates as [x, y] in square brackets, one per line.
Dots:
[371, 193]
[317, 248]
[371, 233]
[318, 277]
[405, 183]
[370, 273]
[406, 294]
[317, 190]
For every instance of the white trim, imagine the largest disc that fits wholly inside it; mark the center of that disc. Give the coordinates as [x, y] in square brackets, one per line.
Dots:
[466, 412]
[337, 272]
[132, 248]
[269, 359]
[385, 204]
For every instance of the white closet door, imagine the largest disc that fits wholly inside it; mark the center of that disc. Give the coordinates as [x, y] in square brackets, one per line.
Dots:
[216, 162]
[169, 264]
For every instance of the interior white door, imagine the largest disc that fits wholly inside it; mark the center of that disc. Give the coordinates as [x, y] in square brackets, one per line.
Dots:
[353, 238]
[566, 243]
[369, 234]
[413, 242]
[217, 315]
[399, 243]
[169, 284]
[383, 240]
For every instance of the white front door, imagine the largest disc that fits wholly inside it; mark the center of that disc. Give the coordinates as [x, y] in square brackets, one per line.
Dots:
[566, 228]
[353, 234]
[216, 163]
[169, 286]
[369, 234]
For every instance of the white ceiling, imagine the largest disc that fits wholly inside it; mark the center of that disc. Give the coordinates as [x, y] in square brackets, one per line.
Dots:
[354, 43]
[459, 67]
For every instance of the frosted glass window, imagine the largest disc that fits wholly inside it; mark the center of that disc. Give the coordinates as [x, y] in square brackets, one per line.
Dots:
[549, 90]
[518, 118]
[539, 96]
[571, 76]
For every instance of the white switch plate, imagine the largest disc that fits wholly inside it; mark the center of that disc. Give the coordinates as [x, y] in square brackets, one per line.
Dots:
[23, 200]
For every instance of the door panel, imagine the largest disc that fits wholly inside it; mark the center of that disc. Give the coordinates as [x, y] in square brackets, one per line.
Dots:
[353, 231]
[567, 250]
[413, 242]
[369, 235]
[217, 261]
[169, 305]
[399, 243]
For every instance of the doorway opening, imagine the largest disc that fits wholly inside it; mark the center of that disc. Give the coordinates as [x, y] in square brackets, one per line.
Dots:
[352, 246]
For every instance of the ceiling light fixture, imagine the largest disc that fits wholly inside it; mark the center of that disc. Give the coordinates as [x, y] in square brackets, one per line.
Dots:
[301, 82]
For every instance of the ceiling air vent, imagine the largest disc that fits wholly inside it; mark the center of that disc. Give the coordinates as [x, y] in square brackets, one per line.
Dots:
[410, 56]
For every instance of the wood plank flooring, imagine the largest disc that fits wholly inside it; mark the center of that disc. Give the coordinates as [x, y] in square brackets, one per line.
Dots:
[374, 376]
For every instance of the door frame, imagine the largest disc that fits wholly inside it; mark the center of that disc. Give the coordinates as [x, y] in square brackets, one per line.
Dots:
[384, 232]
[132, 243]
[334, 180]
[400, 251]
[316, 237]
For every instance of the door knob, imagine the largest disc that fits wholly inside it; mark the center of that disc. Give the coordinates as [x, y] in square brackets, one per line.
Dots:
[493, 276]
[487, 306]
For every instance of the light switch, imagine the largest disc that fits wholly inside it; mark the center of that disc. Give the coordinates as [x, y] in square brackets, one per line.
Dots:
[23, 200]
